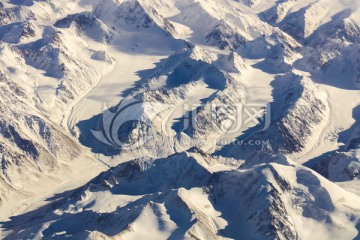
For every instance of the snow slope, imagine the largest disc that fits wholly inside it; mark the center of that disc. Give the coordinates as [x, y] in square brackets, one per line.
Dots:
[192, 195]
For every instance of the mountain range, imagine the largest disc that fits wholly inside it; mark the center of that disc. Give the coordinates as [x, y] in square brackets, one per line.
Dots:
[180, 119]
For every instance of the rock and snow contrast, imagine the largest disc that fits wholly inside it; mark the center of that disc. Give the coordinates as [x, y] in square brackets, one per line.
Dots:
[179, 119]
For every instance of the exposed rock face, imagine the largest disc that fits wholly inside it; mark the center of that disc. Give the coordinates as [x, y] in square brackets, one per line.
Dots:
[30, 143]
[150, 89]
[294, 130]
[340, 166]
[87, 23]
[194, 192]
[306, 21]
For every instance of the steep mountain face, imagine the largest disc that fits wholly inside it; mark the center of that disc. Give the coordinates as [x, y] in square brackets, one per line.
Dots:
[15, 14]
[59, 61]
[303, 23]
[172, 92]
[200, 114]
[340, 166]
[278, 50]
[299, 116]
[31, 144]
[278, 12]
[88, 24]
[140, 14]
[193, 195]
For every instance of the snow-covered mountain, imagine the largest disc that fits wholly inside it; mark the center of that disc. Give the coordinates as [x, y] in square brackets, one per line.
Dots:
[193, 195]
[179, 119]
